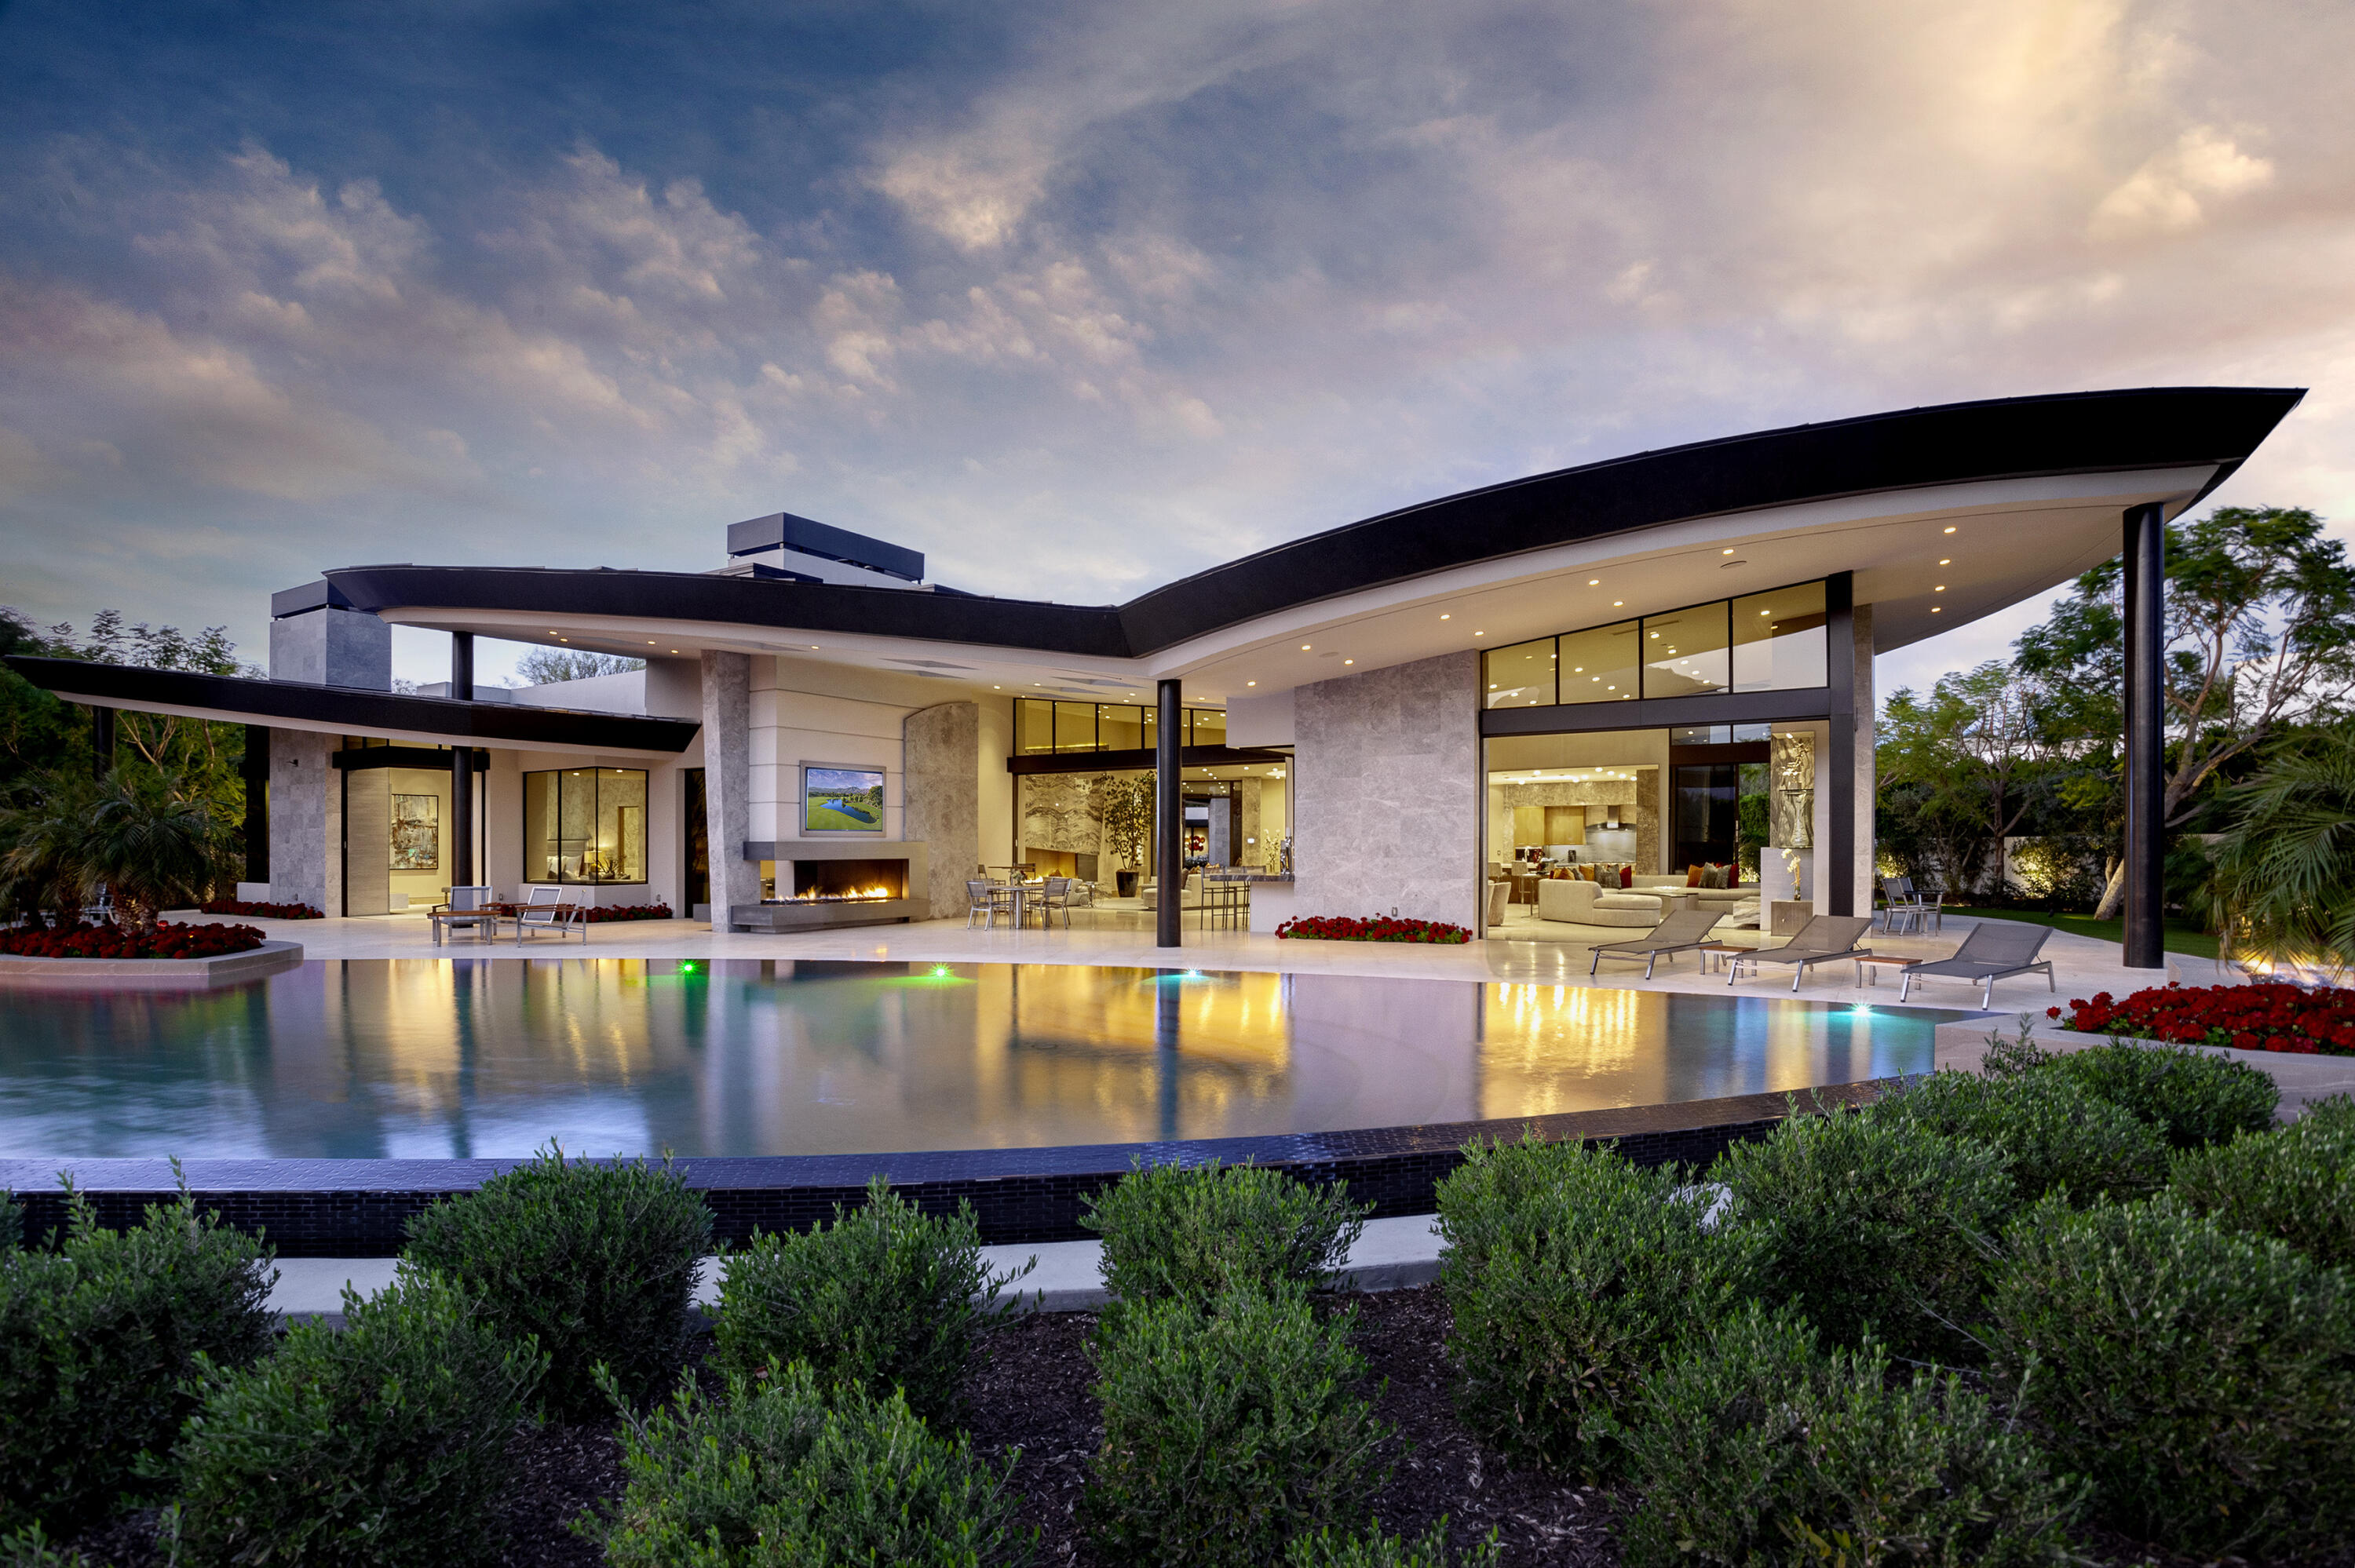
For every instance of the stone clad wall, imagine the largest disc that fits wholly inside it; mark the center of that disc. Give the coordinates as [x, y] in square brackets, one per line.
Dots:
[942, 809]
[306, 824]
[1388, 794]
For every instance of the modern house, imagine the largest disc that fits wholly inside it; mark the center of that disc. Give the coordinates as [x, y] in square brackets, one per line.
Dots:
[1604, 664]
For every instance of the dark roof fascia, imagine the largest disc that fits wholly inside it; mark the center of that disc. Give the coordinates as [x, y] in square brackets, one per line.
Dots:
[2003, 438]
[2011, 437]
[358, 710]
[1080, 630]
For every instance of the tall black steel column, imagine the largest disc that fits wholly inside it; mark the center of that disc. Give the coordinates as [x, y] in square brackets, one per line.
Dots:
[2146, 637]
[102, 742]
[1169, 818]
[462, 767]
[256, 771]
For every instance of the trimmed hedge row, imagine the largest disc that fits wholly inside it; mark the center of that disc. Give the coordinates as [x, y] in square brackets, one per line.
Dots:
[2150, 1283]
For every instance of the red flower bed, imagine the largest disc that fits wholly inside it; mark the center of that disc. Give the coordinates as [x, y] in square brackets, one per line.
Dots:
[605, 912]
[167, 941]
[262, 911]
[1377, 928]
[2270, 1017]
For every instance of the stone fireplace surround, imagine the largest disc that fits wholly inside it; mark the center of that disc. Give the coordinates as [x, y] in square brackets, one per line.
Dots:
[814, 915]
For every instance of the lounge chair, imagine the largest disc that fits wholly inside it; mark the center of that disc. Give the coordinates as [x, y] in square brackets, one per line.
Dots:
[465, 909]
[1679, 933]
[547, 912]
[1823, 939]
[1996, 949]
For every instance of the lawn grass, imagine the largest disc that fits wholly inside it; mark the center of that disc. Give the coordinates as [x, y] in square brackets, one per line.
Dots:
[2182, 936]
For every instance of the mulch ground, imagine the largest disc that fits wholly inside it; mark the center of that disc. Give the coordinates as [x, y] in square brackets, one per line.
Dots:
[1028, 1389]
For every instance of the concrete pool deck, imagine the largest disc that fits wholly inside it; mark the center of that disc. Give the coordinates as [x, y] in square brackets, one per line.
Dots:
[2082, 965]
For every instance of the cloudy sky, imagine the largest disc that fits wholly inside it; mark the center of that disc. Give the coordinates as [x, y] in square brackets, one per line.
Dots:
[1080, 298]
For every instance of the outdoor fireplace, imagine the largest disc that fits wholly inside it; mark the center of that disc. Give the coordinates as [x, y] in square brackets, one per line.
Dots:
[842, 881]
[808, 884]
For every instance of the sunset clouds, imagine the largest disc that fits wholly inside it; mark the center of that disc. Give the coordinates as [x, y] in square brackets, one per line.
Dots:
[1079, 299]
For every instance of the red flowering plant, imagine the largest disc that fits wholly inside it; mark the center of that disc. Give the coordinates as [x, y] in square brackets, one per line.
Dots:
[1373, 928]
[262, 911]
[605, 912]
[2265, 1017]
[162, 940]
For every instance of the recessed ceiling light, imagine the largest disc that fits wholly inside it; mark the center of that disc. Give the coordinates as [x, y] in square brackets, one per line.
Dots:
[1940, 589]
[1725, 552]
[1304, 647]
[1251, 682]
[1950, 530]
[1933, 609]
[1445, 617]
[1947, 563]
[1595, 582]
[1348, 661]
[1617, 603]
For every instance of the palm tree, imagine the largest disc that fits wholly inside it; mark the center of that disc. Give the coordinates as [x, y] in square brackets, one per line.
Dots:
[152, 843]
[2283, 891]
[149, 841]
[40, 843]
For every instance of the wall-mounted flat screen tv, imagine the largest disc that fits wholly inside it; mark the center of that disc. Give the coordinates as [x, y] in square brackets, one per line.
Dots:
[842, 799]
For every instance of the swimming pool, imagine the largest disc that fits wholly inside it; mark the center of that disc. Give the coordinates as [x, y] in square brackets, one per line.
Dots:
[470, 1058]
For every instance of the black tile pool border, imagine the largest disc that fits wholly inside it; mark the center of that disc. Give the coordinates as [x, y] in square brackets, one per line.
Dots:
[358, 1208]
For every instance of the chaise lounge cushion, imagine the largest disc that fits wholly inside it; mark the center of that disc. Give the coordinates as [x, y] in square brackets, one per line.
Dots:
[1582, 903]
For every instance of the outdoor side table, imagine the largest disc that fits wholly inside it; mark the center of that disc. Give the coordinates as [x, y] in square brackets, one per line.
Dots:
[1870, 965]
[1722, 953]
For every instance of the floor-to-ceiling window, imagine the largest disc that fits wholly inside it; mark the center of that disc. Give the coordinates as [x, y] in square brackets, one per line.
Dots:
[585, 825]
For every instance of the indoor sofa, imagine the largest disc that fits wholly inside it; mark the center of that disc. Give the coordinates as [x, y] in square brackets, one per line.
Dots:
[1580, 902]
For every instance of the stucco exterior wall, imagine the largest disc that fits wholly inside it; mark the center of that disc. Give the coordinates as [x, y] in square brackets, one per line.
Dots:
[1388, 792]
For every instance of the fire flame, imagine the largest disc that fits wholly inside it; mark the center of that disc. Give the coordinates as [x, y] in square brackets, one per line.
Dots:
[863, 894]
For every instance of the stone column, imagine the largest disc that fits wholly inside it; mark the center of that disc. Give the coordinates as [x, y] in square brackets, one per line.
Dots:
[1389, 796]
[727, 780]
[307, 821]
[941, 768]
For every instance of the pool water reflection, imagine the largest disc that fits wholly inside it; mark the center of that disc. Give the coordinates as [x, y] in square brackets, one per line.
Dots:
[476, 1057]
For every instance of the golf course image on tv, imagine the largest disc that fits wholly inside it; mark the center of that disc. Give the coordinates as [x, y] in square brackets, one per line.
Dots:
[842, 800]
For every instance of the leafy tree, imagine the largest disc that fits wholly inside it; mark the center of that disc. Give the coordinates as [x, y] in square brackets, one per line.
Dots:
[2285, 881]
[1967, 755]
[1126, 807]
[546, 666]
[2260, 636]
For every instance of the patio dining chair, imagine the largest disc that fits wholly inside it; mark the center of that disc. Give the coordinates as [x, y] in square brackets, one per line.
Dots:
[1681, 932]
[1056, 895]
[465, 911]
[987, 899]
[547, 912]
[1823, 939]
[1996, 949]
[1899, 901]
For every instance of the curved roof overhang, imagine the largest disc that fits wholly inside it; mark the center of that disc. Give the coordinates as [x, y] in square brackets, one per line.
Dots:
[346, 710]
[2033, 486]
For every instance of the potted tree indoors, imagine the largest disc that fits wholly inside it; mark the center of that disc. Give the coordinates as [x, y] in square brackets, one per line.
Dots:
[1128, 812]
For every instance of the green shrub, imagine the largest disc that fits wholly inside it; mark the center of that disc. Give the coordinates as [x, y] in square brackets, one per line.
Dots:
[2297, 1183]
[2192, 1096]
[1760, 1449]
[594, 1260]
[1570, 1273]
[2202, 1379]
[1869, 1225]
[383, 1444]
[1375, 1549]
[31, 1548]
[773, 1474]
[1227, 1432]
[884, 1298]
[96, 1342]
[1172, 1231]
[2053, 1135]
